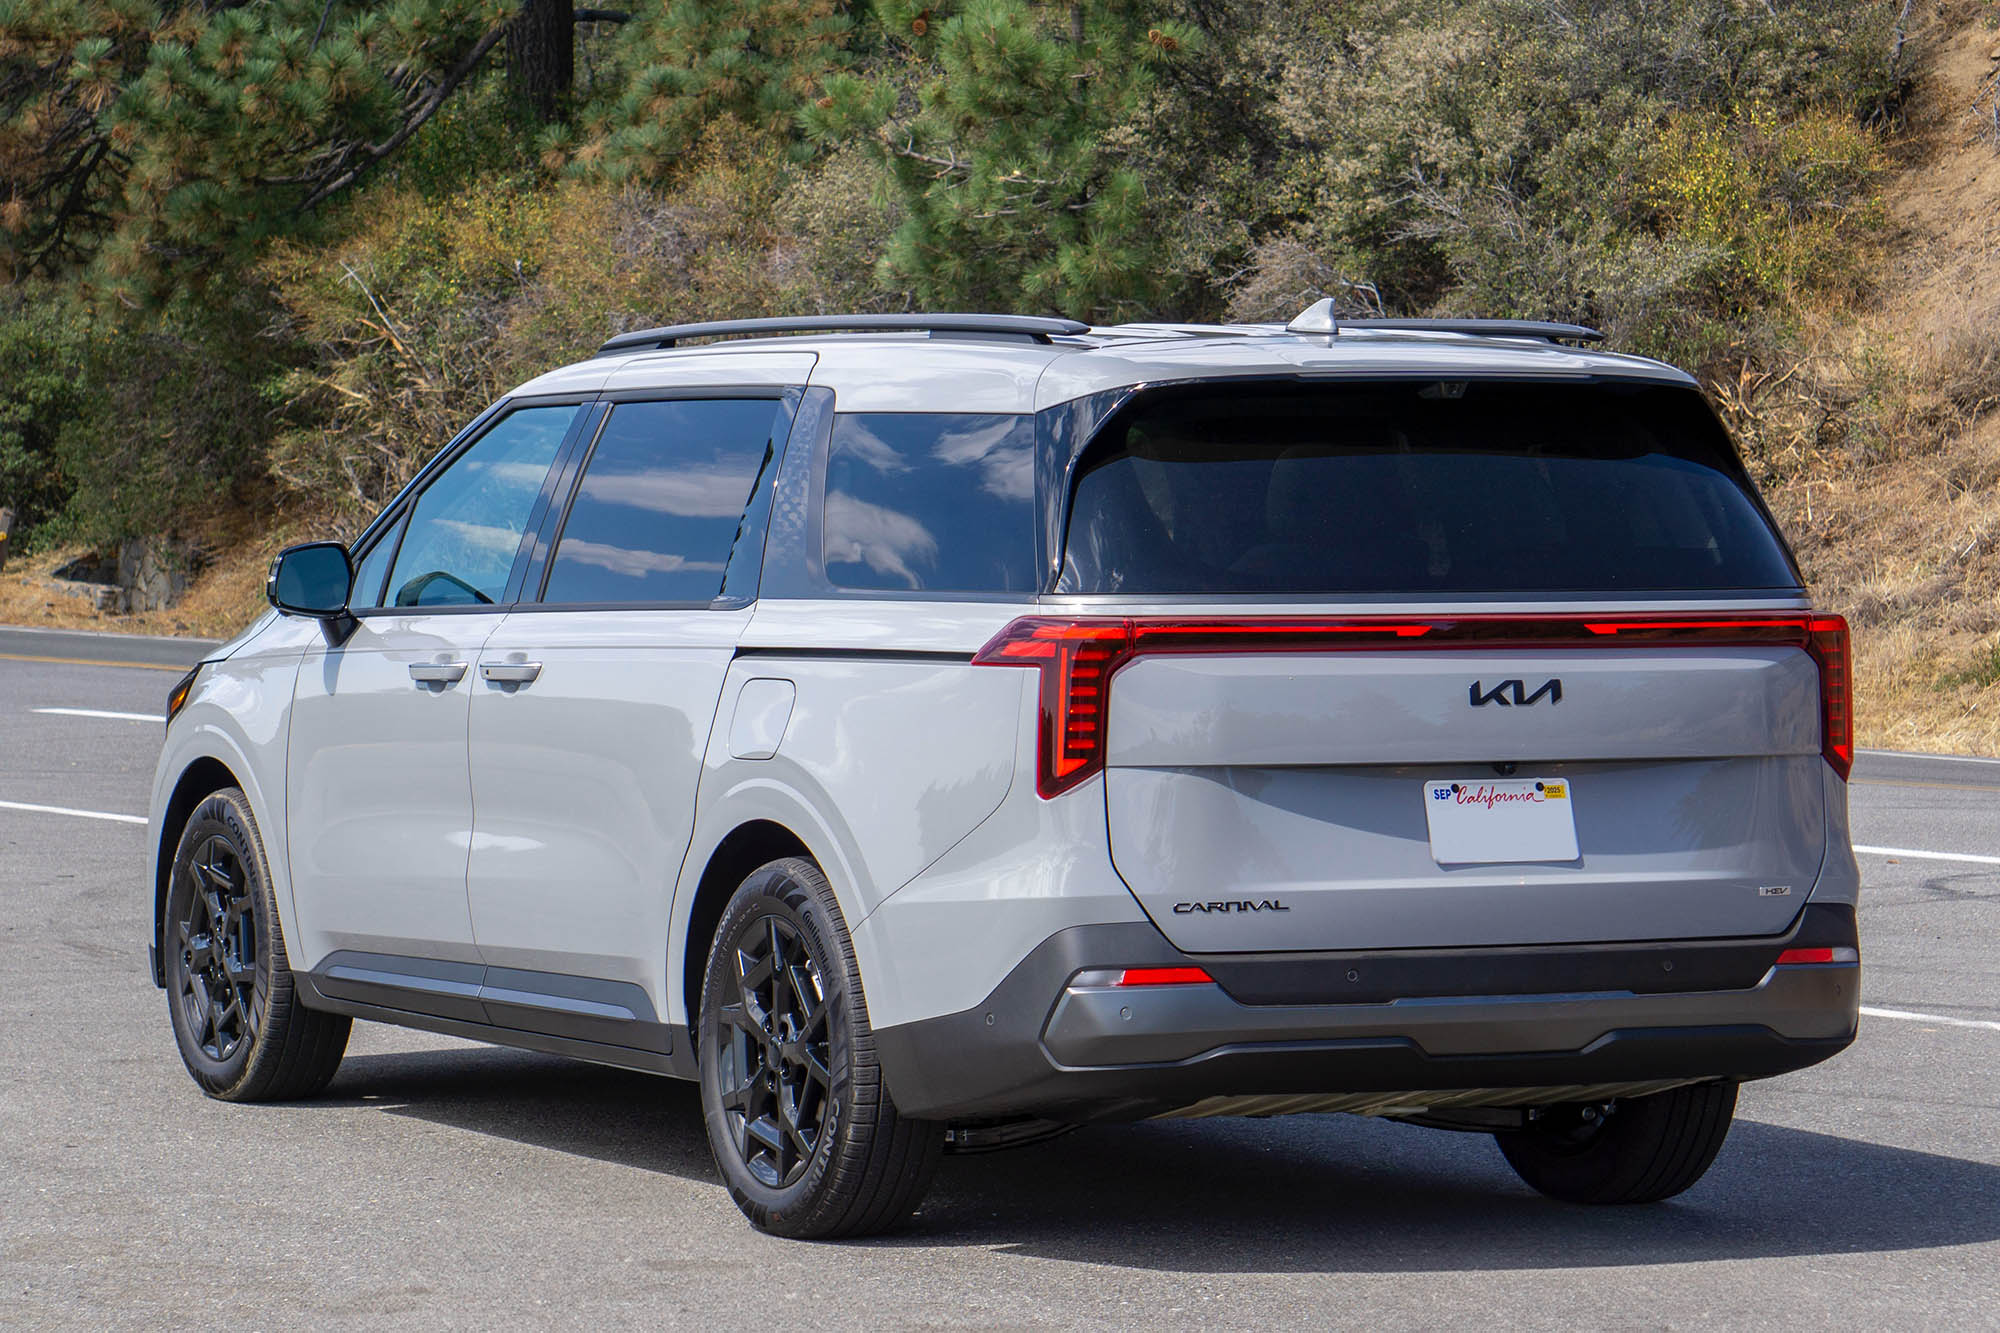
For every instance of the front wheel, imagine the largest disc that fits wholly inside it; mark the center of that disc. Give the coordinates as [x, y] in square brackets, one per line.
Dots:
[236, 1017]
[801, 1124]
[1633, 1150]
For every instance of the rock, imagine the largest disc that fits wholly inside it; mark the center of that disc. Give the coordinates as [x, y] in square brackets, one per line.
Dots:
[154, 572]
[145, 574]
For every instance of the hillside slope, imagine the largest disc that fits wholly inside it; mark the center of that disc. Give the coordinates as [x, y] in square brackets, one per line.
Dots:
[1879, 444]
[1901, 530]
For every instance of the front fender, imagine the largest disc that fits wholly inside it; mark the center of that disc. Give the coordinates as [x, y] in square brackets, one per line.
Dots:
[239, 716]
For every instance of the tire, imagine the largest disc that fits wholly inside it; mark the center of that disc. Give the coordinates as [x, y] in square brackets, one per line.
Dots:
[242, 1032]
[799, 1119]
[1638, 1150]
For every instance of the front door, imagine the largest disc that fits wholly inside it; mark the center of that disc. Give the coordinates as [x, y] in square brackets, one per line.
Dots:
[378, 800]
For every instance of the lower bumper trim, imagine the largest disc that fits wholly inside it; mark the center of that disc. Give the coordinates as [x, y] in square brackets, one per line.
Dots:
[1040, 1046]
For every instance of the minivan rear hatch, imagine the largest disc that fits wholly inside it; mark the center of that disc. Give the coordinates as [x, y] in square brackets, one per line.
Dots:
[1544, 672]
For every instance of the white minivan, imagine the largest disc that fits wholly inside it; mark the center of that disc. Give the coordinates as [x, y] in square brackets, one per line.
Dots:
[934, 731]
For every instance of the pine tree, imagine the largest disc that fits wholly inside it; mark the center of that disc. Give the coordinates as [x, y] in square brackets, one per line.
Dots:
[683, 65]
[1015, 165]
[161, 142]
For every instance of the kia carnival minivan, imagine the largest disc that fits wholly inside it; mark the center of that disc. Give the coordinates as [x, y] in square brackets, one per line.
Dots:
[934, 731]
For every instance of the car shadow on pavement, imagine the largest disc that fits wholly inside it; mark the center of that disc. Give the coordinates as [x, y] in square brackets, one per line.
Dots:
[1298, 1194]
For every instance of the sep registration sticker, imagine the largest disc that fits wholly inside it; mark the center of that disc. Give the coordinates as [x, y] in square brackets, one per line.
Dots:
[1507, 820]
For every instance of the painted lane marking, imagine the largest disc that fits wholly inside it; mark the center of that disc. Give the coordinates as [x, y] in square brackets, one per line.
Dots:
[65, 810]
[1909, 1017]
[1911, 782]
[125, 717]
[90, 661]
[1968, 857]
[1947, 758]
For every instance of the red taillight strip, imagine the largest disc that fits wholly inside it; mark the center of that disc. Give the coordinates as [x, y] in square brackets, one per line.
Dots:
[1077, 658]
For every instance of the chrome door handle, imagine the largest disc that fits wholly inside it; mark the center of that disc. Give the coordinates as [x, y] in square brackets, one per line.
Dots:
[437, 673]
[509, 673]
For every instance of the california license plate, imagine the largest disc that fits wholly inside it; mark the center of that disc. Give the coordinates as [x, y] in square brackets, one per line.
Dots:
[1512, 819]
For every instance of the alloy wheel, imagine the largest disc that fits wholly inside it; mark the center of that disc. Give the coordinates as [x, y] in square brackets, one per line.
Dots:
[216, 939]
[774, 1073]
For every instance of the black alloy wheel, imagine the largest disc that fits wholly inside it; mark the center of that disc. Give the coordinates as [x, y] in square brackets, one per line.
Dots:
[801, 1122]
[776, 1083]
[216, 939]
[231, 995]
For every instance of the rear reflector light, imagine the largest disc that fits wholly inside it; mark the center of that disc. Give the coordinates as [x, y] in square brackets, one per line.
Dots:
[1077, 658]
[1164, 976]
[1795, 957]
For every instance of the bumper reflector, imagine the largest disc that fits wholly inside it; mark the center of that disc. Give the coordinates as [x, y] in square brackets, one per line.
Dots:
[1795, 957]
[1164, 976]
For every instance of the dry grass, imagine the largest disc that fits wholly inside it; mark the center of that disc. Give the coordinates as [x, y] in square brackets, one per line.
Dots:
[1886, 465]
[227, 596]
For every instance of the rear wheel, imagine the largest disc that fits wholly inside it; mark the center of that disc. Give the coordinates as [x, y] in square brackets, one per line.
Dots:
[800, 1121]
[241, 1030]
[1634, 1150]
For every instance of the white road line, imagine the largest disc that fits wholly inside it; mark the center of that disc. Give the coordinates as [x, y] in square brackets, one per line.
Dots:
[98, 712]
[1970, 858]
[65, 810]
[1947, 758]
[1909, 1017]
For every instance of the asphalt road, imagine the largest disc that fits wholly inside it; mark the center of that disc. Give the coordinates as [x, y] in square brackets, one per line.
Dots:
[443, 1184]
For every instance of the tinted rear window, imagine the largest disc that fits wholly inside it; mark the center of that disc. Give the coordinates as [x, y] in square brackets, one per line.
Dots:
[935, 501]
[661, 503]
[1474, 487]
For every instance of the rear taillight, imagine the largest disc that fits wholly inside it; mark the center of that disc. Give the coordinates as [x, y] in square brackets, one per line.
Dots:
[1828, 646]
[1077, 658]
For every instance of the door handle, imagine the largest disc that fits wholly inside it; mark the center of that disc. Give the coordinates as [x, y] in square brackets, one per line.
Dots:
[509, 673]
[437, 673]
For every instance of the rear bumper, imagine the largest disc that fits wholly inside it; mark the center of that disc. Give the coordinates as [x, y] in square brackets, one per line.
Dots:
[1555, 1018]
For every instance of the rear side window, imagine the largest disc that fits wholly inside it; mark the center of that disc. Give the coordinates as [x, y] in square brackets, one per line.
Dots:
[931, 501]
[661, 502]
[1466, 487]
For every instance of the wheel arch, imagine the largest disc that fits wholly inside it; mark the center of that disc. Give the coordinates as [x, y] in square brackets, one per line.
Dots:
[203, 777]
[750, 844]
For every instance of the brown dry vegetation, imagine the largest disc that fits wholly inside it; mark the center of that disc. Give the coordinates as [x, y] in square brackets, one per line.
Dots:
[1874, 424]
[1896, 517]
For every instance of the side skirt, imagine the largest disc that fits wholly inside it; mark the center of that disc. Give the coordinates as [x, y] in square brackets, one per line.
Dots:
[503, 1011]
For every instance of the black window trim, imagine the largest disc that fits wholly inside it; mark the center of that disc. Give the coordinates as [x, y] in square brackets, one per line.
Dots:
[556, 518]
[392, 523]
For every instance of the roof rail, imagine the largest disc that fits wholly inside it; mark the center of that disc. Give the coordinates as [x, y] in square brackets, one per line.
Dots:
[1319, 318]
[1035, 327]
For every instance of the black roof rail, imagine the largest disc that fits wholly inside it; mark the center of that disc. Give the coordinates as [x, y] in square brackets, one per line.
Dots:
[1035, 327]
[1319, 318]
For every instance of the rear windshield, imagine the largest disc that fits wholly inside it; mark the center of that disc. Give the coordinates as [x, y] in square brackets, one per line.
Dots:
[1410, 487]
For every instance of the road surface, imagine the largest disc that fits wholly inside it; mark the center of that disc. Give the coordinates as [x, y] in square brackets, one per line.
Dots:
[440, 1183]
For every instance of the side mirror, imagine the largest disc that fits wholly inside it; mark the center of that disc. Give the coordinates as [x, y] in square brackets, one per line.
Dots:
[315, 580]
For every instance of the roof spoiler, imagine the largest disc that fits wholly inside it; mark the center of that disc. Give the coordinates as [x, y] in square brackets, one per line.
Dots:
[1035, 328]
[1319, 318]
